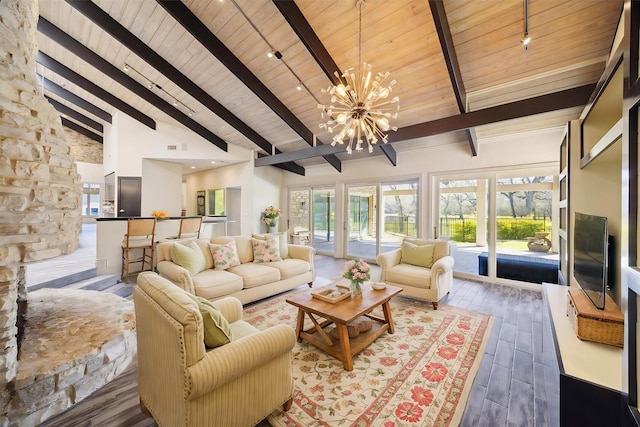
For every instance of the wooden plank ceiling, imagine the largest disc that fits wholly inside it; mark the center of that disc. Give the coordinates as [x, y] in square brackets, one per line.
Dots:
[233, 93]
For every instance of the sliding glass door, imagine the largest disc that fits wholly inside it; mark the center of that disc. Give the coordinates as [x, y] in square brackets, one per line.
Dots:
[500, 225]
[523, 222]
[463, 222]
[311, 218]
[374, 227]
[361, 218]
[399, 217]
[324, 208]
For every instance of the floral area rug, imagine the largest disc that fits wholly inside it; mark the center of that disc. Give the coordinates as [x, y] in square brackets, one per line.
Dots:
[419, 376]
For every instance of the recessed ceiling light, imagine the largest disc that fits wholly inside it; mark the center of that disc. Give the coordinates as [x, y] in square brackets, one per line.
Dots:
[270, 54]
[213, 162]
[193, 167]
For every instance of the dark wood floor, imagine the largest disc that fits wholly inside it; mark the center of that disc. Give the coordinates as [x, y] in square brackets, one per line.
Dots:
[514, 386]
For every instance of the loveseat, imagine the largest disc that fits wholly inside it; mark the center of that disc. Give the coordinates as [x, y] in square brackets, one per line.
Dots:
[286, 266]
[422, 268]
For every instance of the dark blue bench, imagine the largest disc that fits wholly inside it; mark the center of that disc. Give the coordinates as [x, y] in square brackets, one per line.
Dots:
[523, 268]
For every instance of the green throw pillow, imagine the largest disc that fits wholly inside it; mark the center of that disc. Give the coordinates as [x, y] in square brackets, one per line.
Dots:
[217, 330]
[188, 256]
[420, 255]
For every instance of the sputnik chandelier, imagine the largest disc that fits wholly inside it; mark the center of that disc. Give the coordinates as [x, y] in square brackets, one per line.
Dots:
[360, 105]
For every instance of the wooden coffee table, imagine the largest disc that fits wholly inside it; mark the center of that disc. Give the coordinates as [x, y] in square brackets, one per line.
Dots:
[341, 313]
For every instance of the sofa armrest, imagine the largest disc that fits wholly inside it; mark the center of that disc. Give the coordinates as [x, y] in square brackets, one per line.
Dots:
[305, 253]
[230, 308]
[386, 260]
[176, 274]
[230, 361]
[443, 265]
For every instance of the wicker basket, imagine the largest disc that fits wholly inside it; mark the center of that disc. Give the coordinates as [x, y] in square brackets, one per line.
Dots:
[590, 324]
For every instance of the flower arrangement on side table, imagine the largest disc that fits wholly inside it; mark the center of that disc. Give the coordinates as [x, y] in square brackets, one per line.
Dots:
[270, 216]
[357, 272]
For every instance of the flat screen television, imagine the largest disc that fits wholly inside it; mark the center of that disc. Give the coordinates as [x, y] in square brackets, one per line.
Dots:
[591, 256]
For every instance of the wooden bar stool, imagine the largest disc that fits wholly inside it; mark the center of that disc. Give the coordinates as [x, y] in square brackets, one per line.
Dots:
[190, 227]
[140, 237]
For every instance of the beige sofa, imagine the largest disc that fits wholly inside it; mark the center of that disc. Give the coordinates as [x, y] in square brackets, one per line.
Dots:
[183, 384]
[420, 282]
[248, 281]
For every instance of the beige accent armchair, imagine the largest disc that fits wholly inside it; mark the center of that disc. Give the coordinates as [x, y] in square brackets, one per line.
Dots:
[419, 282]
[183, 384]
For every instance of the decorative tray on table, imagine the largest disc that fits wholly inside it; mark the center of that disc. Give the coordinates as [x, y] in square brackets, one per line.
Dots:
[332, 294]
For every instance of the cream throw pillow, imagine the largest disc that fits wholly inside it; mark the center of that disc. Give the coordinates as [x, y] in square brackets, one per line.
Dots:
[217, 330]
[420, 255]
[188, 256]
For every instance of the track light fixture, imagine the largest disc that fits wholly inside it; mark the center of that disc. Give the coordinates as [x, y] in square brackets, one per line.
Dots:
[526, 39]
[151, 84]
[273, 52]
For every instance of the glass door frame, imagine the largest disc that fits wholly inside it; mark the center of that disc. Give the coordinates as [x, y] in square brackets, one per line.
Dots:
[347, 219]
[379, 209]
[310, 213]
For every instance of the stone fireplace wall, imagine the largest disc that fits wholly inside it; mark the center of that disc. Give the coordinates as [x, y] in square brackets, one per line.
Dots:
[40, 190]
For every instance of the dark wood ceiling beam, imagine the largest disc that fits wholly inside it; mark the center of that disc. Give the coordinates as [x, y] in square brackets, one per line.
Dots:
[451, 59]
[568, 98]
[74, 99]
[181, 13]
[102, 19]
[305, 33]
[63, 109]
[309, 38]
[75, 78]
[63, 39]
[80, 129]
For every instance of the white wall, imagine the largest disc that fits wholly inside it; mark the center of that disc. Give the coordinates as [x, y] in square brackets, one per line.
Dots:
[267, 191]
[161, 187]
[91, 172]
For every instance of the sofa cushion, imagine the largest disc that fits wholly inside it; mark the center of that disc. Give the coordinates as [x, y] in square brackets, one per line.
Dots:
[256, 274]
[188, 256]
[265, 250]
[224, 255]
[245, 251]
[291, 267]
[217, 330]
[212, 284]
[410, 275]
[420, 255]
[282, 242]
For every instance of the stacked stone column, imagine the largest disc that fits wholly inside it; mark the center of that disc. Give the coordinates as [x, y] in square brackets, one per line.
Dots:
[40, 189]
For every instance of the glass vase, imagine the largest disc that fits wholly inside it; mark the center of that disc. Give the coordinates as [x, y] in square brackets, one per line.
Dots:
[356, 289]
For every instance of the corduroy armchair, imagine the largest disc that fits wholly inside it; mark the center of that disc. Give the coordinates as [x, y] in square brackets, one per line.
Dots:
[183, 384]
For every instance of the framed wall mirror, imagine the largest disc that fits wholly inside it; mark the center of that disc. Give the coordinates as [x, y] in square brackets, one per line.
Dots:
[216, 202]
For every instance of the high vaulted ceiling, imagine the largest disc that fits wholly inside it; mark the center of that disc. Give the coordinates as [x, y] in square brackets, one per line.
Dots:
[462, 73]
